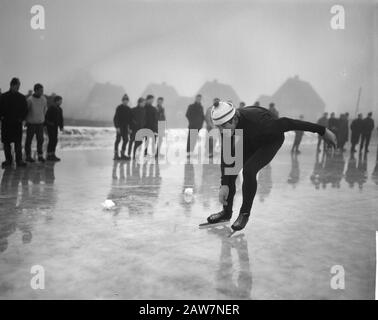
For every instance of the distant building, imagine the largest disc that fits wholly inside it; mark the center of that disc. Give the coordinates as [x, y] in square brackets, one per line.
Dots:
[296, 97]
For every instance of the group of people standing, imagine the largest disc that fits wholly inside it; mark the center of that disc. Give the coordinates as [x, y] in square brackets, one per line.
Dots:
[128, 121]
[17, 111]
[361, 130]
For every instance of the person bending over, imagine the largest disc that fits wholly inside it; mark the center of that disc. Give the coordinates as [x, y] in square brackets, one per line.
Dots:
[263, 135]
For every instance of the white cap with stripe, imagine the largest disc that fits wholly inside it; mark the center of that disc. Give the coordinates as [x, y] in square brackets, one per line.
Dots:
[222, 112]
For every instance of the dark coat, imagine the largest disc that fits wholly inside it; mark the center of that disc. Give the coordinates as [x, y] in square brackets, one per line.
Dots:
[151, 118]
[138, 118]
[356, 128]
[54, 117]
[195, 116]
[13, 110]
[333, 124]
[343, 132]
[368, 126]
[122, 118]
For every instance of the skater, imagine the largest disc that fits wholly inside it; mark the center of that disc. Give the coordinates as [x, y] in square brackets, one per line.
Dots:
[122, 120]
[297, 139]
[13, 110]
[356, 129]
[367, 128]
[209, 126]
[323, 121]
[196, 117]
[161, 117]
[263, 135]
[138, 115]
[151, 122]
[272, 108]
[53, 122]
[35, 119]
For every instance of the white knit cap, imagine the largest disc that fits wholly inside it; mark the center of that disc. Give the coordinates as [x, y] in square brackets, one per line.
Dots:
[222, 112]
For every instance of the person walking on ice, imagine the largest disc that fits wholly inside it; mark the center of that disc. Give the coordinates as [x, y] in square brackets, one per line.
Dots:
[263, 135]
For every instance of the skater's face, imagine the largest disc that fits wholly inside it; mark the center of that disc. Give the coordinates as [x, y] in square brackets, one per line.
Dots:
[160, 102]
[125, 102]
[231, 124]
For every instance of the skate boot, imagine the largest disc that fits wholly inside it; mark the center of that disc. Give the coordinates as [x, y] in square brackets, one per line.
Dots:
[41, 159]
[219, 217]
[240, 222]
[116, 156]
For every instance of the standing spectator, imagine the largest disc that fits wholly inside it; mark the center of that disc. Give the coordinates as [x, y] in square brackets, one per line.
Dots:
[323, 121]
[53, 122]
[195, 117]
[367, 128]
[272, 108]
[151, 121]
[343, 133]
[122, 121]
[138, 118]
[297, 139]
[209, 126]
[13, 110]
[333, 124]
[356, 128]
[35, 119]
[161, 117]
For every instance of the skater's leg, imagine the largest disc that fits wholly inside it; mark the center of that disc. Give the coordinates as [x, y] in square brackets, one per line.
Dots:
[250, 169]
[231, 194]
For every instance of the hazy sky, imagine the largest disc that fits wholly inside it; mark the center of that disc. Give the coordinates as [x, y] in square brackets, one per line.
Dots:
[252, 45]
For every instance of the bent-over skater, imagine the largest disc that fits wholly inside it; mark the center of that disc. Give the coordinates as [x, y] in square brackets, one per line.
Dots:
[263, 135]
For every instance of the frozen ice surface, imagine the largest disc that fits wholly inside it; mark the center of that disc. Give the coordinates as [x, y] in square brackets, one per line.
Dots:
[308, 216]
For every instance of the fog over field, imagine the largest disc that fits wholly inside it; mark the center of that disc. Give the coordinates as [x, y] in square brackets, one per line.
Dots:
[253, 46]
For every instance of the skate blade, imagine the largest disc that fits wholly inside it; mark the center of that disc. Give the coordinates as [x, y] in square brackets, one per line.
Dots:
[208, 225]
[231, 233]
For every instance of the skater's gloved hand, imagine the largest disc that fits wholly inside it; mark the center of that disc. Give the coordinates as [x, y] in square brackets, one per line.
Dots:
[223, 194]
[118, 130]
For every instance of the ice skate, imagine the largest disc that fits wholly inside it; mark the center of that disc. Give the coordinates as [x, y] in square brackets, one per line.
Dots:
[216, 219]
[240, 222]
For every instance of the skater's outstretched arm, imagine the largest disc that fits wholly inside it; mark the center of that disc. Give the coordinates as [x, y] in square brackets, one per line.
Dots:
[285, 124]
